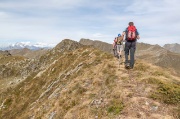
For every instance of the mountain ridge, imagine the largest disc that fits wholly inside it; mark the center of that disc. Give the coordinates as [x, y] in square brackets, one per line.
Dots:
[173, 47]
[76, 81]
[154, 54]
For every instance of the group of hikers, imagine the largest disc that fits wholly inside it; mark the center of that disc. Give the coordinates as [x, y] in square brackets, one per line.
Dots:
[129, 36]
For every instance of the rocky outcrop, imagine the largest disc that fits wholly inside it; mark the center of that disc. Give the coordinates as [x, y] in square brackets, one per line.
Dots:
[67, 45]
[32, 54]
[5, 53]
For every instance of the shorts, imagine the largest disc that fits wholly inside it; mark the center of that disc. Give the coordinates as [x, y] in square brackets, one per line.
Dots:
[120, 48]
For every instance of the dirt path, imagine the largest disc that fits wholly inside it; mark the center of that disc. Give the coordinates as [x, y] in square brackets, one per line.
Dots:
[135, 95]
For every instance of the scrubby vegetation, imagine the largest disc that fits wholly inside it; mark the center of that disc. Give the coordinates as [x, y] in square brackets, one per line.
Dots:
[88, 83]
[167, 92]
[115, 107]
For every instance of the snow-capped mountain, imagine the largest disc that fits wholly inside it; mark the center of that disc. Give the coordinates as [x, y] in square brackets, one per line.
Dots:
[21, 45]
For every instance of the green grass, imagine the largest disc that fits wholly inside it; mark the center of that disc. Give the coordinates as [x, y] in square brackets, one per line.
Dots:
[8, 102]
[115, 107]
[167, 92]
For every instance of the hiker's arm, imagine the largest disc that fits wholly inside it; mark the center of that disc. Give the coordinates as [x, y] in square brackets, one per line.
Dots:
[123, 35]
[138, 37]
[113, 45]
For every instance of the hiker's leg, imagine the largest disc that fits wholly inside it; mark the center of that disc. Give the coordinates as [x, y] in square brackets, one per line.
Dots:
[127, 46]
[132, 52]
[118, 50]
[121, 49]
[115, 50]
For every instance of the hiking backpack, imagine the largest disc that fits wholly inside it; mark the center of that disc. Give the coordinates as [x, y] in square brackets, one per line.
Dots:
[131, 33]
[119, 40]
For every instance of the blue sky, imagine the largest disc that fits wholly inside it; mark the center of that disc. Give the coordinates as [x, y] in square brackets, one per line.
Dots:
[50, 21]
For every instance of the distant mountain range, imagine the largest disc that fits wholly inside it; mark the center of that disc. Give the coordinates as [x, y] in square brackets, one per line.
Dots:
[99, 44]
[22, 45]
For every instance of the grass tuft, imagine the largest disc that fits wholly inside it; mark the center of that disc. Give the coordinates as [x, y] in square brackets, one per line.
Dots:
[167, 93]
[8, 102]
[116, 107]
[141, 67]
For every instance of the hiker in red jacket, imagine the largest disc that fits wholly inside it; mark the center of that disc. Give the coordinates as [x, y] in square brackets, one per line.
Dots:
[131, 36]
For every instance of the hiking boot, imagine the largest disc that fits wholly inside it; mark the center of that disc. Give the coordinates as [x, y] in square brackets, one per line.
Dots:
[127, 66]
[131, 68]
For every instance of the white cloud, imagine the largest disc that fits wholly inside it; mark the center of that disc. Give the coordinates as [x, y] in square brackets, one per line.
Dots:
[40, 4]
[98, 35]
[3, 15]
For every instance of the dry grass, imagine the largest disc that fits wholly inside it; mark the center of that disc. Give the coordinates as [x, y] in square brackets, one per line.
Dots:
[11, 59]
[86, 83]
[115, 107]
[167, 92]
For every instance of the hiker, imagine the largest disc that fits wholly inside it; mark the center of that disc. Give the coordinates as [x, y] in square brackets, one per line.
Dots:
[119, 45]
[115, 47]
[131, 36]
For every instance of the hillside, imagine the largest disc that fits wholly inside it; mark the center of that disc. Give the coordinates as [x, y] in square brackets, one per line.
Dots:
[73, 81]
[173, 47]
[32, 54]
[14, 69]
[153, 54]
[4, 53]
[159, 56]
[97, 44]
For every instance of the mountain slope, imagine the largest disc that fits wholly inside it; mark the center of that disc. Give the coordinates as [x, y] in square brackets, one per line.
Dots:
[4, 53]
[159, 56]
[154, 54]
[76, 81]
[33, 54]
[98, 44]
[173, 47]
